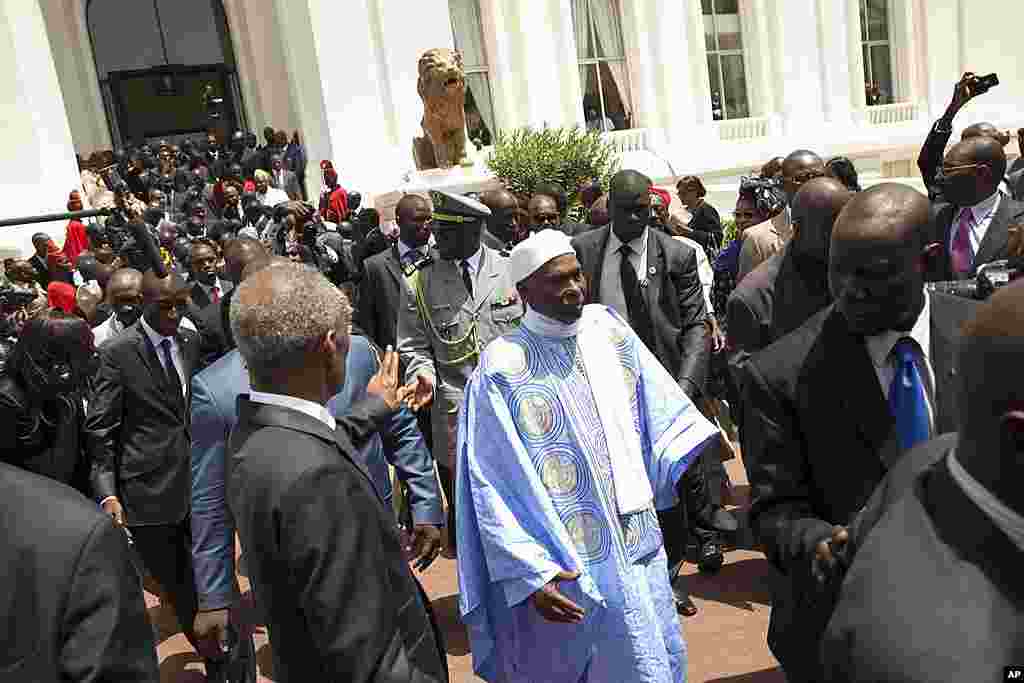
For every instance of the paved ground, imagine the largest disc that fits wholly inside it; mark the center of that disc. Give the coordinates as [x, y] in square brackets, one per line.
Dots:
[726, 639]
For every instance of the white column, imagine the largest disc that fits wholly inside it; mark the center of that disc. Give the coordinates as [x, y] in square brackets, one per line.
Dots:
[406, 31]
[657, 49]
[800, 95]
[534, 68]
[835, 62]
[39, 166]
[944, 57]
[698, 61]
[757, 57]
[249, 76]
[858, 100]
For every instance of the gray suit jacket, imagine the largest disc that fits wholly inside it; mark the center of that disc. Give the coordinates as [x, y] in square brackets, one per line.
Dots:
[494, 310]
[381, 294]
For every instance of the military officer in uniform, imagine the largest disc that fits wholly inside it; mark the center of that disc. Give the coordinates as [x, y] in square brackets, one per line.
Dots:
[461, 299]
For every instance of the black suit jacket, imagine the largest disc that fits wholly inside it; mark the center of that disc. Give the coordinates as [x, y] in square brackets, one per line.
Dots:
[137, 429]
[773, 300]
[380, 295]
[330, 579]
[674, 297]
[934, 593]
[818, 437]
[71, 604]
[42, 270]
[200, 299]
[213, 340]
[992, 248]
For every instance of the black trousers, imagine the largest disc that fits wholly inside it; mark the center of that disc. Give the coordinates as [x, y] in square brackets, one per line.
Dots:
[693, 513]
[166, 553]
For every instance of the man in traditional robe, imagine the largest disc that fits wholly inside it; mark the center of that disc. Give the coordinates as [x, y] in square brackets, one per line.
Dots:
[563, 575]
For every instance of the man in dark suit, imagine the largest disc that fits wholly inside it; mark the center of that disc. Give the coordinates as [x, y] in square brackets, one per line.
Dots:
[830, 407]
[973, 229]
[283, 179]
[783, 292]
[651, 280]
[207, 287]
[384, 286]
[934, 593]
[40, 242]
[211, 322]
[326, 564]
[70, 597]
[137, 433]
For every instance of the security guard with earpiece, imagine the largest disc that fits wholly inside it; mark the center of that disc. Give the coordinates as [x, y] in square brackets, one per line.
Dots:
[461, 299]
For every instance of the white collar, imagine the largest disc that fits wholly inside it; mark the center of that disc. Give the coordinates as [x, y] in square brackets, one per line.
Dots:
[638, 245]
[1005, 518]
[314, 410]
[474, 261]
[404, 249]
[549, 327]
[880, 345]
[155, 338]
[984, 208]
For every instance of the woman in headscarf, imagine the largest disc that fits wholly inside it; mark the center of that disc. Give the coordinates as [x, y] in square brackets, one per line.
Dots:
[61, 290]
[75, 238]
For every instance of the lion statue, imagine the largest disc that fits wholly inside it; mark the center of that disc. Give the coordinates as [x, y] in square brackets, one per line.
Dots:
[442, 87]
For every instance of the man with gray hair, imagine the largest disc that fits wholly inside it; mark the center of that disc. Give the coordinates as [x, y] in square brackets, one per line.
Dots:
[325, 560]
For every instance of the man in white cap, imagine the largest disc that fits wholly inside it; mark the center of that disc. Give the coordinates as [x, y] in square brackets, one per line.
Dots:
[571, 436]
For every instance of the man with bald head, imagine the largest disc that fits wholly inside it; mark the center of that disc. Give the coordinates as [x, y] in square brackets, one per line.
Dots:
[324, 554]
[942, 535]
[830, 407]
[123, 295]
[651, 280]
[792, 285]
[765, 239]
[137, 434]
[973, 228]
[502, 231]
[930, 158]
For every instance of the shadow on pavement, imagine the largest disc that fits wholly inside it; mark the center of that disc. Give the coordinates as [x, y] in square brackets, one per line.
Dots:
[764, 676]
[740, 584]
[456, 639]
[172, 669]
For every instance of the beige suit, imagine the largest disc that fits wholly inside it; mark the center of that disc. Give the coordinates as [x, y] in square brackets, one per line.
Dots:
[495, 310]
[763, 240]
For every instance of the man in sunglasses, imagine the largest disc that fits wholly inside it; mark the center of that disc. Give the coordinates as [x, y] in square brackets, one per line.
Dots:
[973, 227]
[765, 239]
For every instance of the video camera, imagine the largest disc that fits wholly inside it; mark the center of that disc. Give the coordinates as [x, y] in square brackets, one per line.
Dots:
[991, 276]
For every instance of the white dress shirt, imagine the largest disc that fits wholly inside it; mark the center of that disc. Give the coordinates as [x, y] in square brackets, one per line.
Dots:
[473, 262]
[983, 213]
[611, 280]
[157, 339]
[404, 249]
[704, 271]
[314, 410]
[273, 197]
[111, 327]
[880, 349]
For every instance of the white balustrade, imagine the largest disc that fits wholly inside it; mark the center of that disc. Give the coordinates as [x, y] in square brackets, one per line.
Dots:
[743, 129]
[634, 140]
[890, 114]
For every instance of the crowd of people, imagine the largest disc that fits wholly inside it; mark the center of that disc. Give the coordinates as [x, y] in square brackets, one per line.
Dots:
[548, 401]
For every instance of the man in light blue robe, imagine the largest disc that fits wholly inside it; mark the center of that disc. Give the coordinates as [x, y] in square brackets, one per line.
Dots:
[571, 436]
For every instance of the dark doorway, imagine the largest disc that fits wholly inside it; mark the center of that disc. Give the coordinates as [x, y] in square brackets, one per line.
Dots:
[166, 68]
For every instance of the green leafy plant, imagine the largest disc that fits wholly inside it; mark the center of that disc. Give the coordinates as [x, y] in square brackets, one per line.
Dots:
[524, 157]
[728, 231]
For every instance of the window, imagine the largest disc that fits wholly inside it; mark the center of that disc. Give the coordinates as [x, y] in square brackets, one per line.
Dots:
[469, 40]
[724, 45]
[602, 58]
[874, 37]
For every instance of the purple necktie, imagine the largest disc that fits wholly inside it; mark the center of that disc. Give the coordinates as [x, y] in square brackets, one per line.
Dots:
[961, 251]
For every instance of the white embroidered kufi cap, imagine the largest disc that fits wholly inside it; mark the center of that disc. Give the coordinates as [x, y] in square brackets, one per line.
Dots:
[532, 253]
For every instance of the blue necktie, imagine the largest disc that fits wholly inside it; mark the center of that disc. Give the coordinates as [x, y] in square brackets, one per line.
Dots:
[906, 396]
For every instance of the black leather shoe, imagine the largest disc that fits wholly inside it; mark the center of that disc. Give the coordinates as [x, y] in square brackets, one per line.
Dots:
[681, 597]
[710, 557]
[724, 521]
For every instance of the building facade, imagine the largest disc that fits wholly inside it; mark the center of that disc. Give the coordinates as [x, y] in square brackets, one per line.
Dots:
[710, 87]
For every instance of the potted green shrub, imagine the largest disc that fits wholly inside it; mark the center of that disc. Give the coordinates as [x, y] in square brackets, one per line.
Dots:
[524, 157]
